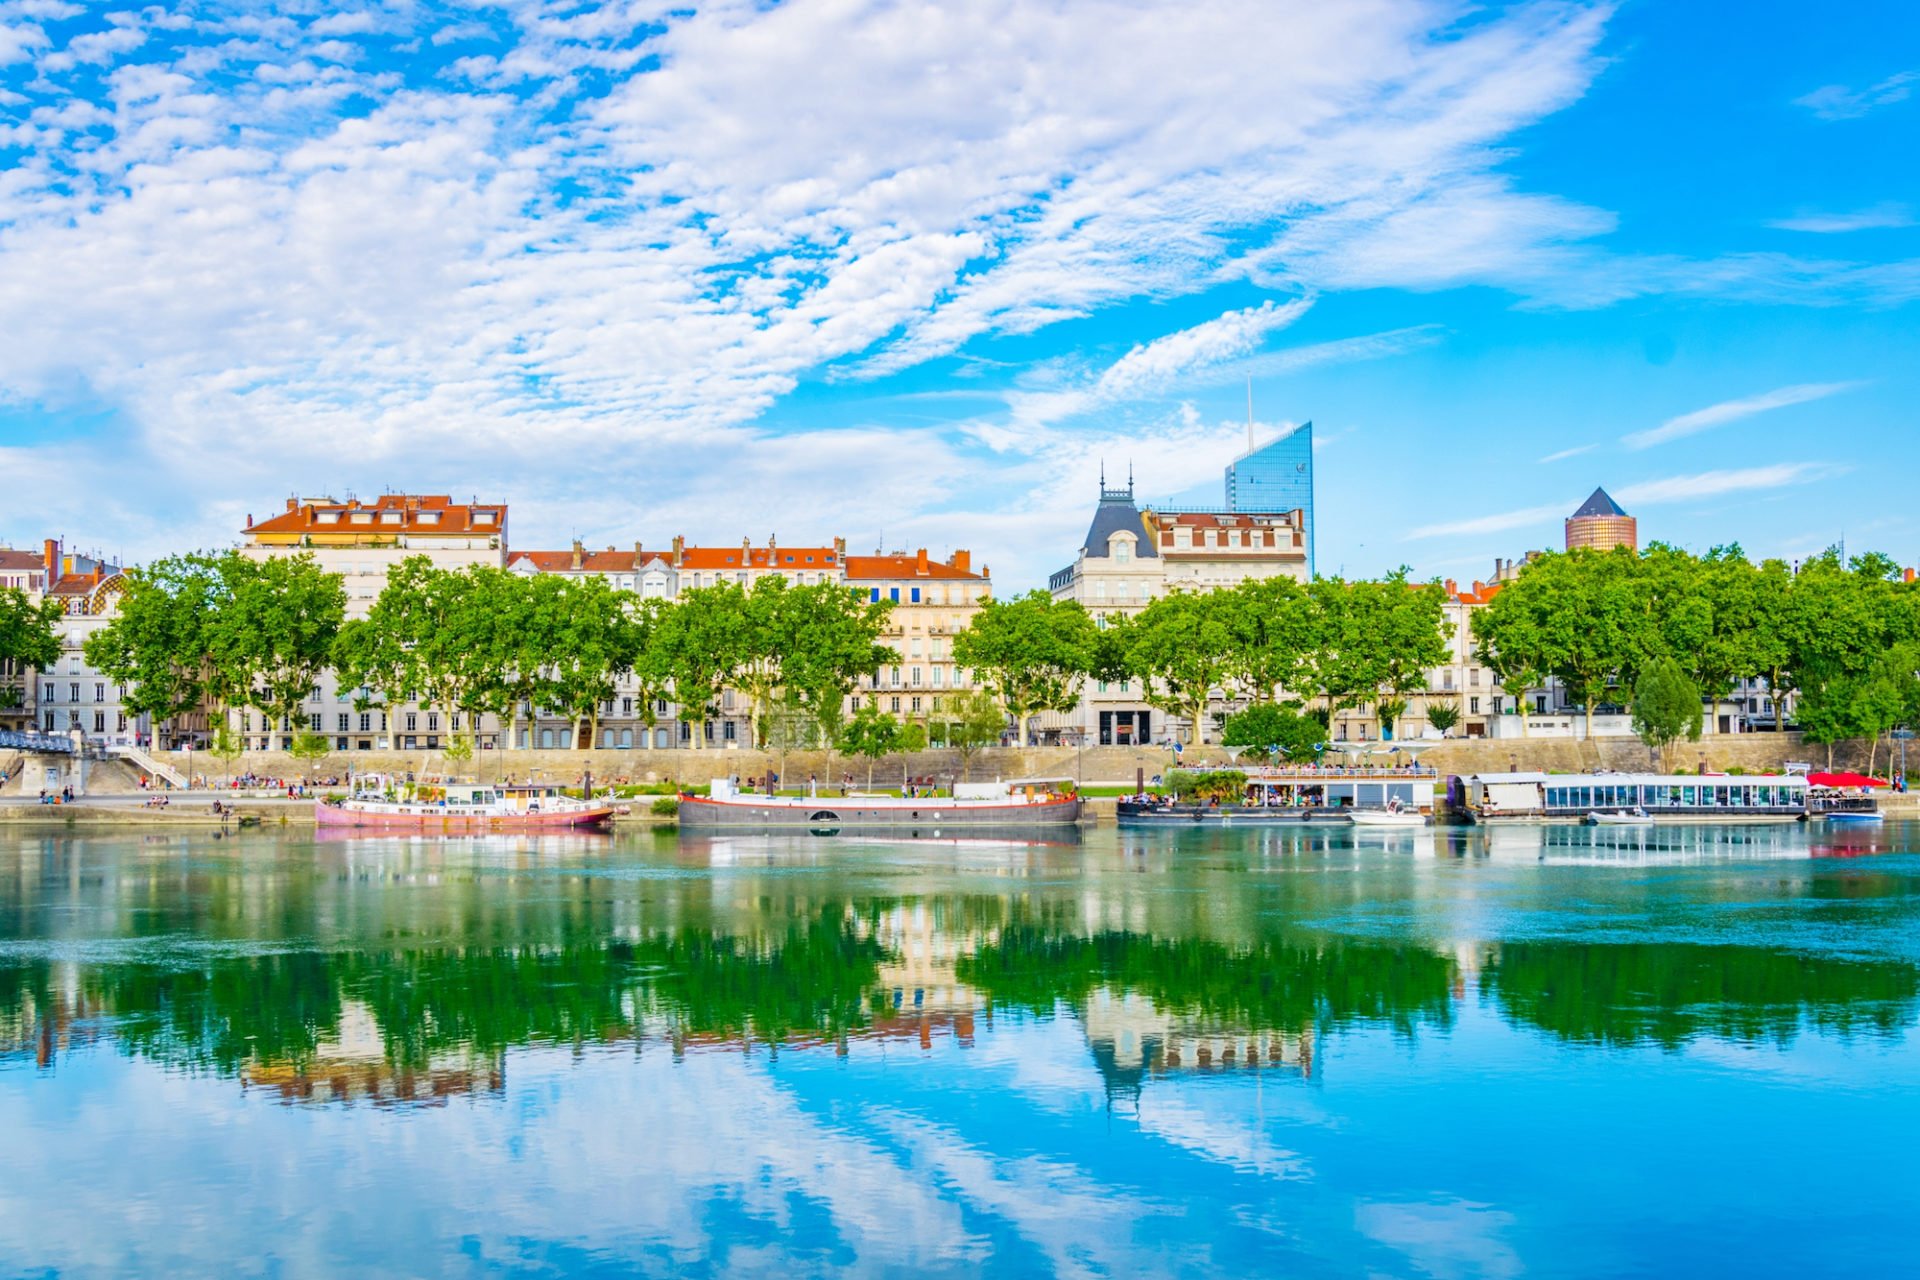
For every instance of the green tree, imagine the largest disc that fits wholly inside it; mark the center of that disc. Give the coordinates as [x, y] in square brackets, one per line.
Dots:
[1274, 636]
[1581, 616]
[160, 644]
[1181, 647]
[1389, 711]
[1273, 728]
[974, 721]
[701, 640]
[309, 747]
[1666, 708]
[29, 630]
[1032, 652]
[872, 733]
[1443, 714]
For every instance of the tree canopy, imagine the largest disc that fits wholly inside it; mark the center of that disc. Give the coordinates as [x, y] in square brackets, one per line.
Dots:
[1033, 652]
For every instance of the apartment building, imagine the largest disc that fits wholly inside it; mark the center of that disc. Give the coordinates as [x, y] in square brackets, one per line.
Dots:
[1132, 555]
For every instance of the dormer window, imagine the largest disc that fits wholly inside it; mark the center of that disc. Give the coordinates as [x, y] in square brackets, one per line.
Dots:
[1122, 548]
[361, 517]
[483, 517]
[429, 517]
[328, 517]
[391, 517]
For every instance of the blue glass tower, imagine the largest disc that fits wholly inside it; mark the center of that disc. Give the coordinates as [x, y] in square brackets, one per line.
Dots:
[1277, 477]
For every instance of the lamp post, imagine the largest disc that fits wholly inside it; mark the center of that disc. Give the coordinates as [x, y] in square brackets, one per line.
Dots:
[1901, 736]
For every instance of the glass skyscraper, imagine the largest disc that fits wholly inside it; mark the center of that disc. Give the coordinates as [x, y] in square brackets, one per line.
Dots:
[1277, 477]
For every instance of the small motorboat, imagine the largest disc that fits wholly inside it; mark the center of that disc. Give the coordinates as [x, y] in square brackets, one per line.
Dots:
[1394, 815]
[1634, 817]
[1853, 818]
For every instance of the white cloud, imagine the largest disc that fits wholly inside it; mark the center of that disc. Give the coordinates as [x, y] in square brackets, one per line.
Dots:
[1564, 454]
[1879, 217]
[1713, 484]
[618, 242]
[1647, 493]
[1838, 102]
[1499, 522]
[1726, 411]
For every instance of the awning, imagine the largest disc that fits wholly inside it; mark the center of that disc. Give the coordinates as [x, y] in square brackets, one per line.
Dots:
[1842, 780]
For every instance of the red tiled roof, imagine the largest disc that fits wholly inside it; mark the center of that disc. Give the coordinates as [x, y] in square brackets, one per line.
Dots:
[590, 561]
[11, 559]
[862, 568]
[78, 584]
[757, 558]
[447, 516]
[1222, 519]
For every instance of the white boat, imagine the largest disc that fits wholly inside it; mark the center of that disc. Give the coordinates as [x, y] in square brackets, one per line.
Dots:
[1854, 818]
[1619, 818]
[1387, 818]
[1025, 802]
[459, 807]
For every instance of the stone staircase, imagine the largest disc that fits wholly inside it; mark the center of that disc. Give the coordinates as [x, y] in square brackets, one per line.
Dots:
[154, 767]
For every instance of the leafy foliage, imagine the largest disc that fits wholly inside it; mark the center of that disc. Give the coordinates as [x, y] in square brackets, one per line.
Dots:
[1033, 652]
[29, 633]
[1666, 708]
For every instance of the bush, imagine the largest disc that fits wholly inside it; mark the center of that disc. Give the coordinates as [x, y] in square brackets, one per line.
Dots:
[666, 807]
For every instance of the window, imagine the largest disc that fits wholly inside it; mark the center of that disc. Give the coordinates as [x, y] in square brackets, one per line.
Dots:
[913, 704]
[913, 676]
[413, 721]
[894, 594]
[873, 594]
[1473, 706]
[313, 722]
[340, 722]
[936, 679]
[1473, 676]
[48, 693]
[896, 704]
[99, 691]
[1122, 550]
[728, 730]
[122, 722]
[433, 722]
[916, 595]
[99, 722]
[73, 692]
[366, 721]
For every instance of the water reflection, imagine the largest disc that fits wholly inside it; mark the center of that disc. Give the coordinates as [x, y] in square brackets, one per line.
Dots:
[394, 970]
[1298, 1052]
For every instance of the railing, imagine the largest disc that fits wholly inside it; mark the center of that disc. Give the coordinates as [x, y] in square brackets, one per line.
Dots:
[172, 776]
[41, 742]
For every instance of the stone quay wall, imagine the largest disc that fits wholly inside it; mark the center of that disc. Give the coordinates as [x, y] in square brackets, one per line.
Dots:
[1751, 753]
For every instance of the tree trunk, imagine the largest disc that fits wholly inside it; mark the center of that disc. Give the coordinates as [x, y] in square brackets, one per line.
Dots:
[870, 764]
[1873, 751]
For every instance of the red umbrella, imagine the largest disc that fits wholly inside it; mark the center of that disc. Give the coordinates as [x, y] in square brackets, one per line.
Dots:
[1843, 780]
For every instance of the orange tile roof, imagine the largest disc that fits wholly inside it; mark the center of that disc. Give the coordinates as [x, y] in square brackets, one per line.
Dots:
[11, 559]
[424, 514]
[78, 584]
[784, 558]
[590, 561]
[862, 568]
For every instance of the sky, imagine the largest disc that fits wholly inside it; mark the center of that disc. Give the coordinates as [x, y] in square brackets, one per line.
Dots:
[911, 274]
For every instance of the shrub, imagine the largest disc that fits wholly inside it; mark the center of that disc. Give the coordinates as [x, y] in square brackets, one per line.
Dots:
[666, 807]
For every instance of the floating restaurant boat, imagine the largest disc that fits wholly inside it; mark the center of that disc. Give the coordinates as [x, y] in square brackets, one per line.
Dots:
[1383, 797]
[459, 808]
[1027, 802]
[1844, 798]
[1576, 797]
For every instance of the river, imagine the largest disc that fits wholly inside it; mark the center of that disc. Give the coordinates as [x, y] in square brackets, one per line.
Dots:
[1313, 1052]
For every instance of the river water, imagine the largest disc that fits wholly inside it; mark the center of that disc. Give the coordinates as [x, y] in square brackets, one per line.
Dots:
[1550, 1051]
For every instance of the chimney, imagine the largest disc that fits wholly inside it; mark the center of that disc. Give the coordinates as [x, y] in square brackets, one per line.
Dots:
[986, 573]
[51, 552]
[293, 504]
[578, 553]
[1453, 588]
[1907, 575]
[772, 543]
[920, 562]
[961, 561]
[636, 554]
[249, 519]
[679, 549]
[839, 548]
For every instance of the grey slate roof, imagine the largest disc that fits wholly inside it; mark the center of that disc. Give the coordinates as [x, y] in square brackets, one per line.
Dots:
[1599, 505]
[1115, 513]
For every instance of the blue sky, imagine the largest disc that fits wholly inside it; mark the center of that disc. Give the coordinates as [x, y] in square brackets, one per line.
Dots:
[912, 273]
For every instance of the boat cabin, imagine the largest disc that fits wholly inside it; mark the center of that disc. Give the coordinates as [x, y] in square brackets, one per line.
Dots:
[1575, 795]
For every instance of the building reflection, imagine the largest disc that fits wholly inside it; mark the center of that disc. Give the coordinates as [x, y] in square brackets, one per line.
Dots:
[418, 970]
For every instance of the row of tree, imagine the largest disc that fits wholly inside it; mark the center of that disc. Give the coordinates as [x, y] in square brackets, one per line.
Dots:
[1273, 641]
[29, 636]
[225, 632]
[1840, 638]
